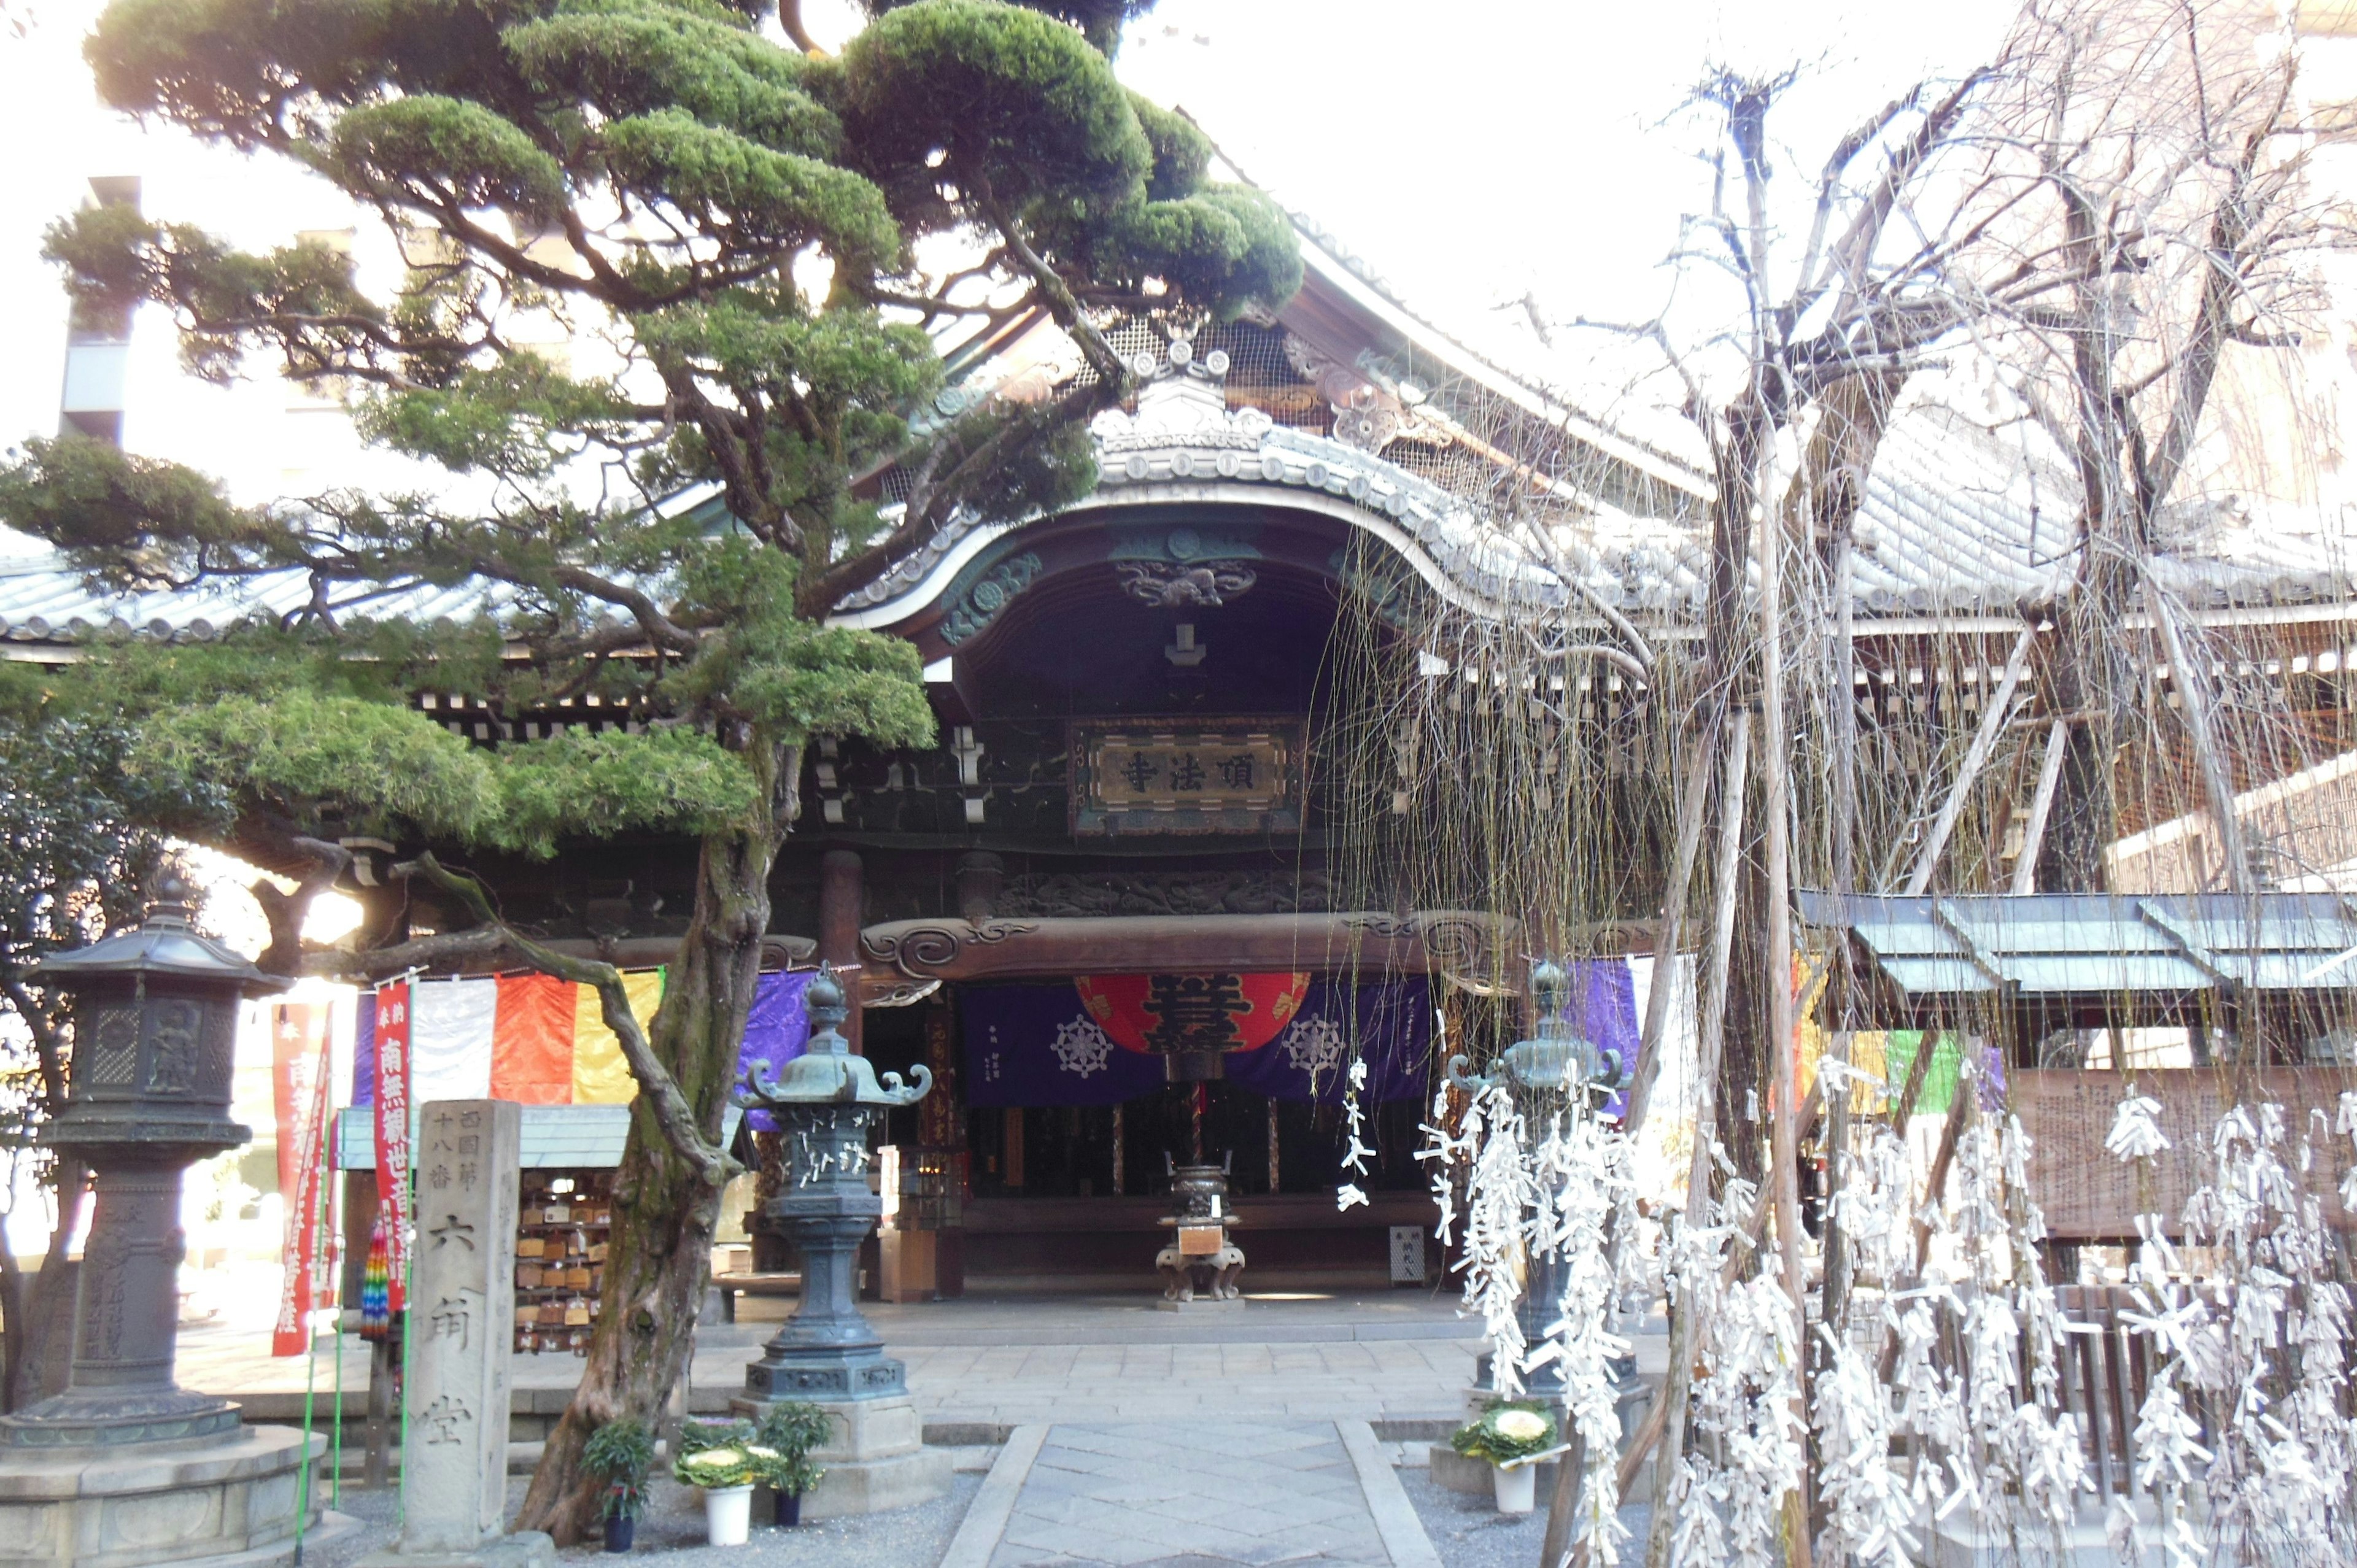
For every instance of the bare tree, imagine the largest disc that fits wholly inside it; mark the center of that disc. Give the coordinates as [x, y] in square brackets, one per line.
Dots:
[2145, 218]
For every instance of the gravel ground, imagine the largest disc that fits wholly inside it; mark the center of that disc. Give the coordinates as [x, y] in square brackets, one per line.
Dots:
[673, 1530]
[1469, 1533]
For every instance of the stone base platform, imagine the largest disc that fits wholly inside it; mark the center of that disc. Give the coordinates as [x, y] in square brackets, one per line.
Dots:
[332, 1527]
[525, 1549]
[222, 1497]
[875, 1460]
[1200, 1304]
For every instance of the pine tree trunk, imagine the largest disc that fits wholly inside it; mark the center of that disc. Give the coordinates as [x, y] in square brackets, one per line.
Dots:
[659, 1255]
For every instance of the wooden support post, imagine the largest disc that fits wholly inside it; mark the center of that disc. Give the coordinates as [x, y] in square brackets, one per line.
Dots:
[2193, 696]
[1725, 866]
[1571, 1470]
[2041, 805]
[1775, 833]
[1950, 1132]
[842, 898]
[383, 1399]
[1975, 758]
[1668, 939]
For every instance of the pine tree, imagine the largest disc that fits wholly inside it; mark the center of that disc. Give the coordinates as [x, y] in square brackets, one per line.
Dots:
[740, 220]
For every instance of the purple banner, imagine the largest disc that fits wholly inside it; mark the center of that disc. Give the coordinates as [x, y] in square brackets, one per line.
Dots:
[1036, 1045]
[1388, 1025]
[776, 1030]
[364, 1049]
[1603, 1009]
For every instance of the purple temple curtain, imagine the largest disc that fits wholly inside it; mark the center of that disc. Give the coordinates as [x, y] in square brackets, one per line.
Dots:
[1389, 1024]
[776, 1030]
[1036, 1045]
[1602, 1008]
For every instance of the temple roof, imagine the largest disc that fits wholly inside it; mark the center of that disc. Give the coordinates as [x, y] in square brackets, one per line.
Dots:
[1347, 405]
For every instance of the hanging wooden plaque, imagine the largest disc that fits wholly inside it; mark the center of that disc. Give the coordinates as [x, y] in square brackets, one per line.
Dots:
[1186, 776]
[2089, 1194]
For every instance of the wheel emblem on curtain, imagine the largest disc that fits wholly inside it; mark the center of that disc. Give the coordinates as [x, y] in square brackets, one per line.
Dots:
[1081, 1048]
[1313, 1045]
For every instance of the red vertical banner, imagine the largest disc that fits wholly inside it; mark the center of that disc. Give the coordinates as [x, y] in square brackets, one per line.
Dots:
[300, 1082]
[392, 1134]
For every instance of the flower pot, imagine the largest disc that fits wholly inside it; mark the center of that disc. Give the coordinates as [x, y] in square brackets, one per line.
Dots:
[786, 1509]
[1517, 1489]
[621, 1530]
[728, 1514]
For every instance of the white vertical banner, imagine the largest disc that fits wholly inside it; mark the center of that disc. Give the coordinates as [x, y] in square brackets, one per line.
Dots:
[451, 1023]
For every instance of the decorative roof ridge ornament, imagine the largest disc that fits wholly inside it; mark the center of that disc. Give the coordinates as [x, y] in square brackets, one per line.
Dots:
[826, 1073]
[1182, 399]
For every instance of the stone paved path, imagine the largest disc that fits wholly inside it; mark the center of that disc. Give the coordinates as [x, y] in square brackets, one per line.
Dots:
[1198, 1495]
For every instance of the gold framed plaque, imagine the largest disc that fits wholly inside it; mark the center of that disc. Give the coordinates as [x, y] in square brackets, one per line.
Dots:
[1186, 776]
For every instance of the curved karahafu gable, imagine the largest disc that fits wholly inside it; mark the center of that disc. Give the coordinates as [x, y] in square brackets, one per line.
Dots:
[1183, 447]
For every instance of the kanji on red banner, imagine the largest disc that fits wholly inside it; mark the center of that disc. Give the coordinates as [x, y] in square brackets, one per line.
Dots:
[391, 1100]
[1174, 1014]
[300, 1088]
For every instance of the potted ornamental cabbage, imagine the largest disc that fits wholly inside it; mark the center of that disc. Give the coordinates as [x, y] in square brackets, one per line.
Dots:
[620, 1453]
[1512, 1439]
[715, 1458]
[787, 1434]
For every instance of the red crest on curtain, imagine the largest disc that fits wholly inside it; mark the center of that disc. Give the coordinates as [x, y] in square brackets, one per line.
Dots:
[1184, 1015]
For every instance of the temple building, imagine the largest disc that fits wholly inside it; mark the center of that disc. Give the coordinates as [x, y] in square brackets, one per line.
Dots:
[1120, 910]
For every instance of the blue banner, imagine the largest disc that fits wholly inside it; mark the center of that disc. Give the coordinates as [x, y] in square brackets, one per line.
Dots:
[1602, 1008]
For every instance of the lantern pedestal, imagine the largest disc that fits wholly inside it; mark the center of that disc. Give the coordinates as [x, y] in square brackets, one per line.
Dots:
[875, 1456]
[232, 1495]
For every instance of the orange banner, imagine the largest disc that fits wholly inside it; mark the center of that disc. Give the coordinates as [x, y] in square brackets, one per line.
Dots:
[532, 1043]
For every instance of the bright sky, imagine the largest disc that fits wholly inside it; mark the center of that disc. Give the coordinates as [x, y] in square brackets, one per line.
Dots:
[1471, 153]
[1475, 152]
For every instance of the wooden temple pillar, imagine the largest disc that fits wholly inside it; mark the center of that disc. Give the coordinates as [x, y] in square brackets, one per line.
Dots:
[841, 897]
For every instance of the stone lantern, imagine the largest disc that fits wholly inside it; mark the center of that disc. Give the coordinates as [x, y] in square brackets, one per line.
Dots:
[1547, 1069]
[154, 1012]
[124, 1468]
[825, 1101]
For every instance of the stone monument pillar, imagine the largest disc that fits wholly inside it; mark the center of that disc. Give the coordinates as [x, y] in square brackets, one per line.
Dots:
[827, 1353]
[453, 1460]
